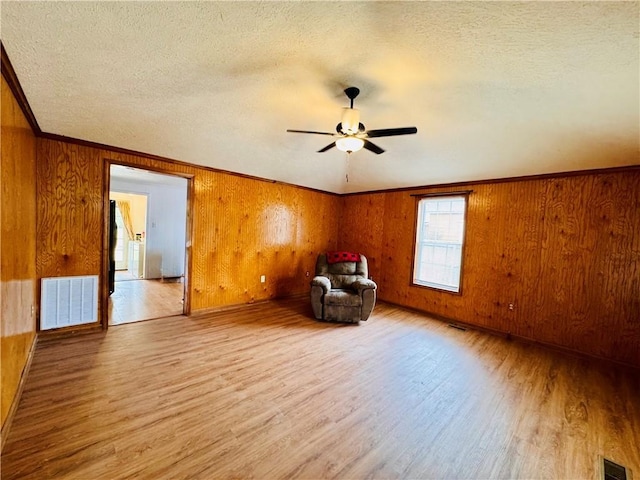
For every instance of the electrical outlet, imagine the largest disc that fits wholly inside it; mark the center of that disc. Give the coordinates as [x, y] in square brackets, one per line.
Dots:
[263, 278]
[308, 274]
[511, 306]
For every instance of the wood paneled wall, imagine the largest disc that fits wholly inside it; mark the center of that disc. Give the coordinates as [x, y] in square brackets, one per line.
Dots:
[242, 227]
[565, 251]
[17, 247]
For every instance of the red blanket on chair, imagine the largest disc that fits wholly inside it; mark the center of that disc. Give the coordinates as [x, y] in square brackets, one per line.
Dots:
[335, 257]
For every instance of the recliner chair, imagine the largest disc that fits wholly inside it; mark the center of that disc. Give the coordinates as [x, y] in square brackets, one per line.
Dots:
[341, 290]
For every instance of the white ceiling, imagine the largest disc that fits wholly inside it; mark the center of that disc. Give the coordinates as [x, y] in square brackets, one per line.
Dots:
[495, 89]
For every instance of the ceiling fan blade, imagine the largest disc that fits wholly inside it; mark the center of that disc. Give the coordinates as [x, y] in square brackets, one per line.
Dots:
[310, 131]
[328, 147]
[390, 132]
[372, 147]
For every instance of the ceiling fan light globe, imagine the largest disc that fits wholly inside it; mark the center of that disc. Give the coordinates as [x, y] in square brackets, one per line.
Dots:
[349, 144]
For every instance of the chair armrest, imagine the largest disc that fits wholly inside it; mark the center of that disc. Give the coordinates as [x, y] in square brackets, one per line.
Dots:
[322, 282]
[362, 284]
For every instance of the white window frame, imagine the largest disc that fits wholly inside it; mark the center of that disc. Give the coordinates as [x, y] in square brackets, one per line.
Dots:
[448, 276]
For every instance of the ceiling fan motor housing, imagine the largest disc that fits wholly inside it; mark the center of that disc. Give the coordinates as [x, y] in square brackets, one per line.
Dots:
[350, 124]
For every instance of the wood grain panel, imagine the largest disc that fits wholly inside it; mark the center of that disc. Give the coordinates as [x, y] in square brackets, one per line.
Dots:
[266, 392]
[17, 248]
[398, 229]
[591, 258]
[564, 251]
[242, 228]
[70, 208]
[358, 212]
[501, 249]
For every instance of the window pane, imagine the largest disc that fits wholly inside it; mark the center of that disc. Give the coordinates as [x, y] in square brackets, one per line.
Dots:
[439, 236]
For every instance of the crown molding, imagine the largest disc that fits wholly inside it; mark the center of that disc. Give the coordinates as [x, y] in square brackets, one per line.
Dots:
[182, 163]
[10, 76]
[493, 181]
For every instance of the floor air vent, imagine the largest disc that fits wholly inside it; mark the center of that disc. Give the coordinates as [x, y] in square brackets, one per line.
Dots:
[457, 327]
[613, 471]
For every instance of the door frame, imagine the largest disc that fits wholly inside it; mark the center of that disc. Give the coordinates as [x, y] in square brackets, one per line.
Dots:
[104, 274]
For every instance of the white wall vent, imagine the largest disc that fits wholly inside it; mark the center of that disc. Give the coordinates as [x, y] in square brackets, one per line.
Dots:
[67, 301]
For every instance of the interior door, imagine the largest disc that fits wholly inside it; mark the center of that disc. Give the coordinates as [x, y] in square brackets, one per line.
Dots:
[113, 236]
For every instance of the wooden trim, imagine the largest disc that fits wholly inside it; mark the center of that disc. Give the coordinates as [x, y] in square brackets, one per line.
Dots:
[510, 336]
[166, 317]
[161, 170]
[416, 210]
[239, 306]
[226, 308]
[16, 399]
[459, 193]
[126, 151]
[11, 77]
[464, 242]
[524, 178]
[46, 336]
[186, 306]
[69, 330]
[106, 226]
[188, 260]
[436, 289]
[418, 198]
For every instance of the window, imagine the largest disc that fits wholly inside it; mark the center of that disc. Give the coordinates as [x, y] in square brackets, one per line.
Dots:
[439, 239]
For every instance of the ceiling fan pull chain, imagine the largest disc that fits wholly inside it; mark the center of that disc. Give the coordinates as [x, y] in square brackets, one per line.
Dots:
[347, 172]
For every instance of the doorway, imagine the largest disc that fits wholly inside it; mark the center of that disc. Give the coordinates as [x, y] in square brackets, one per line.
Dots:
[150, 251]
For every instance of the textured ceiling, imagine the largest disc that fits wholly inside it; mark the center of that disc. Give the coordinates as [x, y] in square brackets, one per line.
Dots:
[495, 89]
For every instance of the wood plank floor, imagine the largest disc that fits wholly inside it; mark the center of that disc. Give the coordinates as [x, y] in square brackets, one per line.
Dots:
[135, 299]
[267, 392]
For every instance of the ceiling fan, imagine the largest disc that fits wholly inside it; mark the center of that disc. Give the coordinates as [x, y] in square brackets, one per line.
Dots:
[351, 135]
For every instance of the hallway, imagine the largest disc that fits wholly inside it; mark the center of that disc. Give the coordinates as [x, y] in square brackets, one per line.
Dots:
[136, 299]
